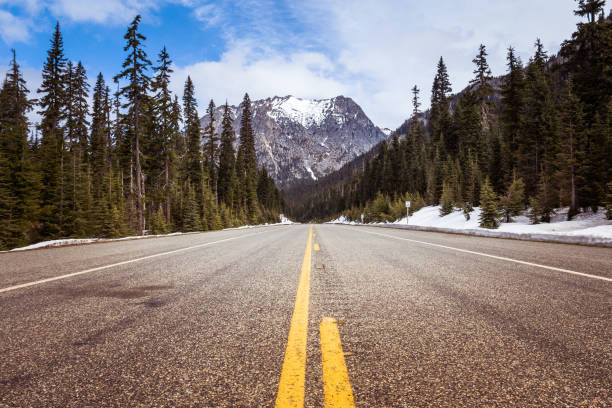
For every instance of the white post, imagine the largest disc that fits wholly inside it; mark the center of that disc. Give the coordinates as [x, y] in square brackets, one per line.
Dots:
[407, 211]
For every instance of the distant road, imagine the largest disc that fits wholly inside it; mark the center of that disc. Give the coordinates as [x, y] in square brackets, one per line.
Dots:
[315, 316]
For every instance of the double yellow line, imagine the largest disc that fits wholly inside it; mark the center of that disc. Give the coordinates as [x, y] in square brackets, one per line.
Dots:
[336, 387]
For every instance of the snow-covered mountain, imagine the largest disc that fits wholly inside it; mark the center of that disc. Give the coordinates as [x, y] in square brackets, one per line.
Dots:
[298, 139]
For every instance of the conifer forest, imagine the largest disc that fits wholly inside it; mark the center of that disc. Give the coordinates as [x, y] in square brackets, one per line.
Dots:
[136, 160]
[534, 139]
[129, 157]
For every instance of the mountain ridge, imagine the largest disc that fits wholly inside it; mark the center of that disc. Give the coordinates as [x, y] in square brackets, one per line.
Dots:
[299, 139]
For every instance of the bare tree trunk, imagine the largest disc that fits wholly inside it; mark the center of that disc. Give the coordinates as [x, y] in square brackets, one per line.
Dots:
[167, 191]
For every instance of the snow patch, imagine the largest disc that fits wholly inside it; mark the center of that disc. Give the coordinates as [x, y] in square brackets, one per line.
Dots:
[307, 112]
[311, 173]
[386, 131]
[589, 227]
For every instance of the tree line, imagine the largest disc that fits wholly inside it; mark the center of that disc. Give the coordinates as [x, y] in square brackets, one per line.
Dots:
[136, 160]
[538, 137]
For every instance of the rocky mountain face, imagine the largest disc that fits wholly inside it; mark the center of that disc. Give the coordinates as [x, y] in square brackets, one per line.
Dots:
[300, 139]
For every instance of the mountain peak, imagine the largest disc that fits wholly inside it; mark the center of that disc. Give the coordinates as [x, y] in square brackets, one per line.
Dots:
[300, 139]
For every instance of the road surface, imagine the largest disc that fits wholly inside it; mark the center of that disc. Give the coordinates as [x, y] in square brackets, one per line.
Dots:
[240, 318]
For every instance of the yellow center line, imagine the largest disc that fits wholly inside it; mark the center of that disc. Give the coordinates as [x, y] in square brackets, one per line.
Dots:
[293, 374]
[336, 385]
[316, 247]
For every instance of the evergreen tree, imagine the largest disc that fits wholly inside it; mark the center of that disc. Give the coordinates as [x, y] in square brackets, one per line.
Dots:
[482, 74]
[446, 200]
[166, 128]
[513, 90]
[19, 180]
[570, 149]
[489, 212]
[246, 152]
[211, 148]
[590, 8]
[135, 69]
[194, 171]
[226, 178]
[513, 202]
[78, 183]
[52, 108]
[100, 155]
[440, 116]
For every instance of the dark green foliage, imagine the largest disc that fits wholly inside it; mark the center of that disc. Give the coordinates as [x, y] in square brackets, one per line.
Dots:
[19, 178]
[52, 149]
[106, 171]
[513, 202]
[489, 211]
[446, 200]
[134, 71]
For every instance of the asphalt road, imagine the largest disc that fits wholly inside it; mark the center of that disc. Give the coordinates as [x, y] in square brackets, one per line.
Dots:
[202, 320]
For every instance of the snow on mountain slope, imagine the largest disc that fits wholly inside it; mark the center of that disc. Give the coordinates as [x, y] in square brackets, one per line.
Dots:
[300, 139]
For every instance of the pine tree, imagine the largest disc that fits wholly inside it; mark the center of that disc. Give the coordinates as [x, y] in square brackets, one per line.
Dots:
[100, 156]
[166, 126]
[513, 202]
[489, 213]
[19, 179]
[227, 158]
[513, 90]
[52, 155]
[246, 152]
[135, 69]
[590, 8]
[78, 184]
[194, 171]
[446, 200]
[570, 153]
[483, 74]
[211, 148]
[440, 117]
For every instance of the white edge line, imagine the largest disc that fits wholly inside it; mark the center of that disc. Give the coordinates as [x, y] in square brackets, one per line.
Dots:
[99, 268]
[502, 258]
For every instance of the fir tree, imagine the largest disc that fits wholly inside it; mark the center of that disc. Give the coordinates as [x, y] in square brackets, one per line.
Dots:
[19, 180]
[482, 74]
[194, 171]
[52, 107]
[227, 158]
[513, 202]
[489, 213]
[246, 152]
[446, 200]
[135, 69]
[166, 126]
[513, 90]
[211, 148]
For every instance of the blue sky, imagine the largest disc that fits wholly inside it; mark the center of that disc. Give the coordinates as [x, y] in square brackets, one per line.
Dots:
[372, 51]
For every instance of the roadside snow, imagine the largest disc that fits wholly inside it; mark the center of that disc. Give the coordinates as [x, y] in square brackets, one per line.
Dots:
[81, 241]
[589, 227]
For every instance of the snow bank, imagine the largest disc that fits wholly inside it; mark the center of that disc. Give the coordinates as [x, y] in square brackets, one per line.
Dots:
[81, 241]
[586, 228]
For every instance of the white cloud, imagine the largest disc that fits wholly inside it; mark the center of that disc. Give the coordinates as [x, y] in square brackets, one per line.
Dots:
[304, 74]
[372, 51]
[106, 11]
[12, 28]
[395, 44]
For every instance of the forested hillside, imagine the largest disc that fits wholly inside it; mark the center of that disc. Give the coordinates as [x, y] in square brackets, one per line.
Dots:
[136, 160]
[538, 137]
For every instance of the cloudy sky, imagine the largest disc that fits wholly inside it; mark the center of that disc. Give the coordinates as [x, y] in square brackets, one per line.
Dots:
[373, 51]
